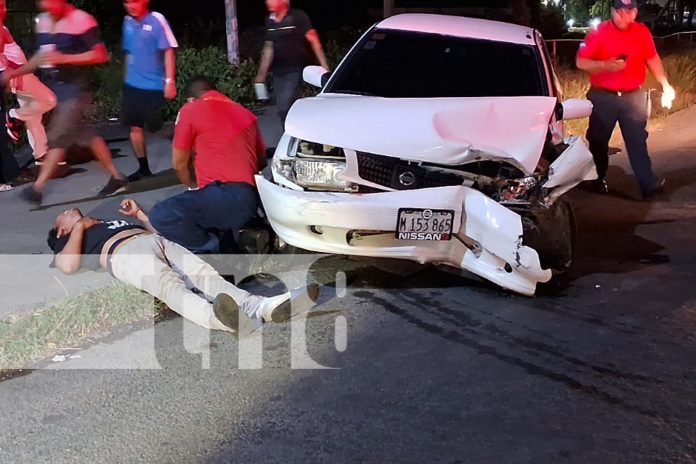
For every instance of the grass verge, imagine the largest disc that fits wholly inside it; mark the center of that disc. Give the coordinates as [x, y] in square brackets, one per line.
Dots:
[34, 337]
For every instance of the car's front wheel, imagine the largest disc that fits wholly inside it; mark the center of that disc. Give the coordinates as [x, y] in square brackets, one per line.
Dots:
[552, 232]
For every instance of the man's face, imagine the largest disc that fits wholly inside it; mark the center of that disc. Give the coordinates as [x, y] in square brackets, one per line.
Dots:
[275, 5]
[624, 17]
[52, 7]
[66, 221]
[136, 8]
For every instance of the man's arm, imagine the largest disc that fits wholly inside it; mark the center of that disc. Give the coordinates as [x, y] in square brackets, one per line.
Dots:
[130, 208]
[595, 66]
[69, 259]
[266, 60]
[170, 74]
[313, 38]
[181, 162]
[97, 55]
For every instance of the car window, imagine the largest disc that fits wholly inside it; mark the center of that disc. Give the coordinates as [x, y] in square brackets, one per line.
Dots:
[401, 64]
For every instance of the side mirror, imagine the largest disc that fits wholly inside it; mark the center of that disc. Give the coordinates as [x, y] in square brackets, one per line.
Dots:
[315, 75]
[574, 109]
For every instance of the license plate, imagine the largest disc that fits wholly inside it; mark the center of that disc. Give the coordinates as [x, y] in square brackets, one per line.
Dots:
[424, 224]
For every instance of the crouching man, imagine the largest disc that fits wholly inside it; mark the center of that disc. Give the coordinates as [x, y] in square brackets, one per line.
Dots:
[137, 255]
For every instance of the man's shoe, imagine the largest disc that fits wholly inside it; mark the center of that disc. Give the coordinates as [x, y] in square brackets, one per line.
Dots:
[659, 188]
[227, 312]
[30, 195]
[113, 187]
[600, 186]
[299, 300]
[14, 127]
[139, 175]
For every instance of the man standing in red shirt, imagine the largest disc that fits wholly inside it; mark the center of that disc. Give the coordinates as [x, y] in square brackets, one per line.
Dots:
[616, 55]
[222, 140]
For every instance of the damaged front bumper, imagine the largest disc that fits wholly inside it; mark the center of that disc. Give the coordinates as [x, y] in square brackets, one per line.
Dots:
[486, 238]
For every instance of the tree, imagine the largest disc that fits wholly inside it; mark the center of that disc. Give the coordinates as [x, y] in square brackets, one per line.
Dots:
[520, 13]
[601, 9]
[577, 10]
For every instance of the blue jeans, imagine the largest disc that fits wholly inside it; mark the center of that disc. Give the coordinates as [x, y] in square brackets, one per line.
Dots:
[284, 89]
[630, 110]
[192, 218]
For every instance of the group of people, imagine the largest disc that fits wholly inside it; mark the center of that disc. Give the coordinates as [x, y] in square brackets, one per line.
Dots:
[221, 140]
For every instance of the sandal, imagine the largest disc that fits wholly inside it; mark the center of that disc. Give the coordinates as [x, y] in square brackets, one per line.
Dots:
[6, 187]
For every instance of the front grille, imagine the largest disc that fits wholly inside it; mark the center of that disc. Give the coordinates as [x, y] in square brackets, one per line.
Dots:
[401, 175]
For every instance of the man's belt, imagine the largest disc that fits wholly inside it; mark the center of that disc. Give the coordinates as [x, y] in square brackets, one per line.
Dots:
[616, 92]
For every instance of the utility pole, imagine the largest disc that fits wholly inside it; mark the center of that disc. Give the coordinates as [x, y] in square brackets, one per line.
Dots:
[232, 32]
[388, 8]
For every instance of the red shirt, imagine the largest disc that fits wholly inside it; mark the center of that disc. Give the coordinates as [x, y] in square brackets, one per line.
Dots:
[225, 138]
[607, 42]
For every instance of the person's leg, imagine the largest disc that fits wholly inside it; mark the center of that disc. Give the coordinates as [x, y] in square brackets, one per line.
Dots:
[284, 89]
[633, 120]
[138, 108]
[35, 99]
[178, 218]
[605, 114]
[205, 278]
[143, 263]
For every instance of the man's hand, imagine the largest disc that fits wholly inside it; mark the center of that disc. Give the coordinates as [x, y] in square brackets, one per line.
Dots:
[129, 208]
[668, 95]
[170, 90]
[614, 65]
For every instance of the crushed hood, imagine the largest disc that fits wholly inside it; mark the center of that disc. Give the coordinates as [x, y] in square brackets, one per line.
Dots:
[447, 131]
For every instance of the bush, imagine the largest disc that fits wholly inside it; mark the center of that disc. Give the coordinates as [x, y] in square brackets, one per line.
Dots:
[235, 82]
[211, 62]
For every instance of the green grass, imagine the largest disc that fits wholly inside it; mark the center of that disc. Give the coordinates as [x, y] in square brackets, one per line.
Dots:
[33, 337]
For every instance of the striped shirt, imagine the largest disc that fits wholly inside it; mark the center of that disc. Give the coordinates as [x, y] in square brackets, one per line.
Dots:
[76, 32]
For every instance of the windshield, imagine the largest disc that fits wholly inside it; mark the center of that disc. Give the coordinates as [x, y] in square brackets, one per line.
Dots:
[401, 64]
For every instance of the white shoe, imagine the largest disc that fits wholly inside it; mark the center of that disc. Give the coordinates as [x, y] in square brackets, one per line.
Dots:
[282, 307]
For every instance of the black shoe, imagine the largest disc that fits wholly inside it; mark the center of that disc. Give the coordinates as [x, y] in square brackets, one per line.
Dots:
[659, 188]
[600, 186]
[113, 187]
[139, 175]
[30, 195]
[227, 312]
[14, 127]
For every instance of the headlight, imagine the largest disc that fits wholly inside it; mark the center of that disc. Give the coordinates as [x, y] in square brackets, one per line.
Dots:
[314, 174]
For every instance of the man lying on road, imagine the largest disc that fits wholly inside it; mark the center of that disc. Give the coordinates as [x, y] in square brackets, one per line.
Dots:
[139, 256]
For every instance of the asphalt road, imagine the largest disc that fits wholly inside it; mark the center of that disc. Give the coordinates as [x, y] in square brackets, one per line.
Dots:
[432, 368]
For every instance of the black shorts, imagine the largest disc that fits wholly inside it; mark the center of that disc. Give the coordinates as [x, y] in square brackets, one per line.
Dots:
[142, 108]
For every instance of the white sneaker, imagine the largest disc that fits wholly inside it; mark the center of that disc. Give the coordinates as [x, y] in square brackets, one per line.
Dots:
[282, 307]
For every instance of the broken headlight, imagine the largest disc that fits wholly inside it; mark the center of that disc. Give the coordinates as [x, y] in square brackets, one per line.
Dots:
[314, 166]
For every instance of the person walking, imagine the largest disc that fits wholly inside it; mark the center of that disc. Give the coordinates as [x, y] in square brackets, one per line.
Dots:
[288, 32]
[615, 54]
[229, 151]
[149, 45]
[136, 255]
[34, 98]
[69, 46]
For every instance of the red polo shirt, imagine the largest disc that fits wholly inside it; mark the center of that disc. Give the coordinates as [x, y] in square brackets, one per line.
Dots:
[225, 138]
[607, 42]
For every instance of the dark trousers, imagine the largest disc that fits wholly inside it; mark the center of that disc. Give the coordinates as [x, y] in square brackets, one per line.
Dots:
[192, 218]
[630, 110]
[284, 90]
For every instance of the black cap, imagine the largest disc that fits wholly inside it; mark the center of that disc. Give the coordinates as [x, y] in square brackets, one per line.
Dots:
[628, 4]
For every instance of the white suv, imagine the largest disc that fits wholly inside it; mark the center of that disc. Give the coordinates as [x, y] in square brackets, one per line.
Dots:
[437, 139]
